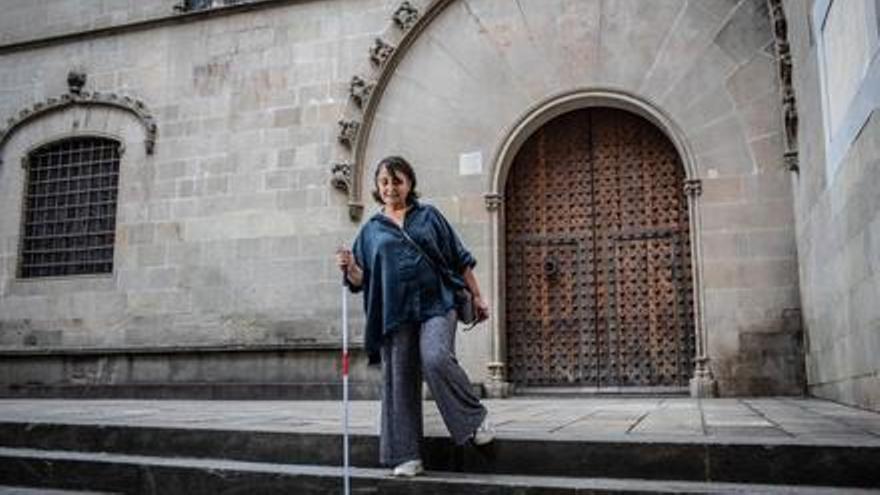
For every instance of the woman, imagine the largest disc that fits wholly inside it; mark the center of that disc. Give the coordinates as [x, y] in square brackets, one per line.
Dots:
[411, 321]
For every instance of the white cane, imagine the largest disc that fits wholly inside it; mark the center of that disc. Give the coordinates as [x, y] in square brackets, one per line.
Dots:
[346, 470]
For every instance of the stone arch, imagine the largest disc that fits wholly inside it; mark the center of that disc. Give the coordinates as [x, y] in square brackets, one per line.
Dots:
[68, 121]
[553, 106]
[106, 121]
[502, 161]
[366, 92]
[77, 99]
[470, 72]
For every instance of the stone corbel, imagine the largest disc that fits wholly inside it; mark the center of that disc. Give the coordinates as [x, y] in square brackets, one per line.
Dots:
[493, 201]
[693, 187]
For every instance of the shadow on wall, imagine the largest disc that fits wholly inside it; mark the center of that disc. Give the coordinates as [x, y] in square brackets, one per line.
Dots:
[768, 363]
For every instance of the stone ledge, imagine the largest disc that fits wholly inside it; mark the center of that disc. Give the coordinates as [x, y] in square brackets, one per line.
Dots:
[358, 390]
[178, 349]
[134, 26]
[151, 474]
[696, 460]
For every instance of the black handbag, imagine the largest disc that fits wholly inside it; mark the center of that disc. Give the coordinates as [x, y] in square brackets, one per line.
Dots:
[465, 310]
[464, 307]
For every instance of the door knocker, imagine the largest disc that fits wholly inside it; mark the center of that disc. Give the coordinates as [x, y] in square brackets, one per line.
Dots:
[551, 266]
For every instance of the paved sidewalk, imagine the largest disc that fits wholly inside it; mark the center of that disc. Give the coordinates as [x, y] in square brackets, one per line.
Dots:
[782, 420]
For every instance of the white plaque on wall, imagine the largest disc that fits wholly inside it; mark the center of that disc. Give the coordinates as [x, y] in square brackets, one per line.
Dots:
[470, 163]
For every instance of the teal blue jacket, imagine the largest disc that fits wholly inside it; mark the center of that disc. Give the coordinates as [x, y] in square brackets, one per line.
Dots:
[399, 285]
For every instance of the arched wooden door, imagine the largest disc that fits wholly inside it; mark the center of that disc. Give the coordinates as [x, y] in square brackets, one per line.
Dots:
[599, 285]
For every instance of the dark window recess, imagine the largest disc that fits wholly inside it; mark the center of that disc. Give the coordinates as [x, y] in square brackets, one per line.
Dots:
[192, 5]
[70, 208]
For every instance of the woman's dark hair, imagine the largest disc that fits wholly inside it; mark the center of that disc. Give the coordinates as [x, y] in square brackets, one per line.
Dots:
[395, 164]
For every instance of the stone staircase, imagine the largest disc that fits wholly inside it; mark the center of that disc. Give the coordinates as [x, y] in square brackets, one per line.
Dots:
[129, 458]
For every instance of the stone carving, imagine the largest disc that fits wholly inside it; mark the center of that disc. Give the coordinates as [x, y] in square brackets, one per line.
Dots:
[355, 211]
[493, 201]
[380, 52]
[77, 97]
[791, 161]
[405, 16]
[359, 90]
[785, 67]
[693, 187]
[789, 101]
[75, 81]
[780, 27]
[341, 178]
[790, 117]
[348, 130]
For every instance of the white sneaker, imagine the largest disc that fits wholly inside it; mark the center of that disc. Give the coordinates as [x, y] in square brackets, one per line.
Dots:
[485, 433]
[409, 469]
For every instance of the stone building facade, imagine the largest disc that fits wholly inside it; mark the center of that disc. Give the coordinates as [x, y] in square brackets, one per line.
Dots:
[622, 170]
[834, 51]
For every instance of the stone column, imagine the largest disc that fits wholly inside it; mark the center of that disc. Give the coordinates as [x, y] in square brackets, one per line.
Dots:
[703, 383]
[497, 386]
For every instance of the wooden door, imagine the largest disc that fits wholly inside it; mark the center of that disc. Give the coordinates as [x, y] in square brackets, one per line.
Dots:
[599, 285]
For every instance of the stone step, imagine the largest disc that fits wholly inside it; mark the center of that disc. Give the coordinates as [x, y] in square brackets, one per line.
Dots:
[168, 476]
[755, 460]
[194, 391]
[22, 490]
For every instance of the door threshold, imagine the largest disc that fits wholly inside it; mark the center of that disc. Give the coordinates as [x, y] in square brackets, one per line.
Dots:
[597, 391]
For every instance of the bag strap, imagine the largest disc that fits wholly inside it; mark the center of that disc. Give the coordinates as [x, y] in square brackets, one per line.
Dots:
[419, 248]
[443, 273]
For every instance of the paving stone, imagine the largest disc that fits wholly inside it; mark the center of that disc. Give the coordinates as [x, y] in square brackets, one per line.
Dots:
[614, 416]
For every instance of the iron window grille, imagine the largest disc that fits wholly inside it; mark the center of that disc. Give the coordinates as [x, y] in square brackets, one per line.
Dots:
[70, 208]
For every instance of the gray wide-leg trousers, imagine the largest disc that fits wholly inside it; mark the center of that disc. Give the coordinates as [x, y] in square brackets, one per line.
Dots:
[408, 354]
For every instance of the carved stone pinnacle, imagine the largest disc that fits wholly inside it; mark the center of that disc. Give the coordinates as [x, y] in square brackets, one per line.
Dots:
[75, 81]
[380, 52]
[405, 16]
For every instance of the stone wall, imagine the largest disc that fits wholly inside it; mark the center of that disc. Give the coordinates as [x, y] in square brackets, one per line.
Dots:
[25, 20]
[482, 67]
[250, 371]
[225, 233]
[837, 194]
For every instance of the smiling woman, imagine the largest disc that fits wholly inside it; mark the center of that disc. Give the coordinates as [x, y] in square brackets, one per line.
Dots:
[411, 318]
[395, 186]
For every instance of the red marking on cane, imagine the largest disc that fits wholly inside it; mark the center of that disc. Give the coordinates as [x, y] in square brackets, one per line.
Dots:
[345, 364]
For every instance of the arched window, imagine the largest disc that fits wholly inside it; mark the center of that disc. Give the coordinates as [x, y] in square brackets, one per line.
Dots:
[70, 208]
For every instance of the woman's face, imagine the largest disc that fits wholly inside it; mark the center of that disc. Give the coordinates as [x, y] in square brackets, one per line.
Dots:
[393, 188]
